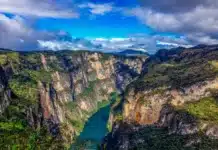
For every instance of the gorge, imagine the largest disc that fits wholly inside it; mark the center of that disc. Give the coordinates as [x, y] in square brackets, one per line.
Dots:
[47, 97]
[66, 99]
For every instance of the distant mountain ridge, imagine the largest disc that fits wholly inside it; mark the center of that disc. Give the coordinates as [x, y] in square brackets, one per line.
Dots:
[128, 52]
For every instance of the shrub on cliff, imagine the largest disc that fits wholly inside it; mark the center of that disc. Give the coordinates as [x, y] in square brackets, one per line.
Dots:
[206, 109]
[24, 88]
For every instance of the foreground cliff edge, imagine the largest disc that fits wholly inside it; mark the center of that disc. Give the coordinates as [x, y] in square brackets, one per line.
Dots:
[165, 101]
[46, 97]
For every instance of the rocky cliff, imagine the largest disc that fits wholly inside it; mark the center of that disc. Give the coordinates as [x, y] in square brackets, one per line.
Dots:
[46, 97]
[172, 105]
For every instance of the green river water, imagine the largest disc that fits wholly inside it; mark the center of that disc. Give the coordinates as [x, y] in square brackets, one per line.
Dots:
[94, 130]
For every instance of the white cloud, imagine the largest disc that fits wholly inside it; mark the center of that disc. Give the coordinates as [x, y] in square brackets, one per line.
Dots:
[14, 24]
[145, 43]
[60, 45]
[17, 34]
[37, 8]
[173, 44]
[113, 43]
[98, 9]
[13, 29]
[200, 19]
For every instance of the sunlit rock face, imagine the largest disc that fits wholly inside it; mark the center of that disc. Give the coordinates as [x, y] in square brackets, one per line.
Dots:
[175, 97]
[145, 107]
[66, 87]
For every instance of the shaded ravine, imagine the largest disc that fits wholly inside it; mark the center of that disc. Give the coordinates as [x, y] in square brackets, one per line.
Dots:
[94, 130]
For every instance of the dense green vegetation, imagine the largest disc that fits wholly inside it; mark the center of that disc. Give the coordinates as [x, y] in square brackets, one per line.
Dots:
[28, 139]
[16, 133]
[180, 76]
[3, 59]
[206, 109]
[159, 139]
[25, 88]
[8, 126]
[176, 73]
[12, 57]
[15, 129]
[39, 75]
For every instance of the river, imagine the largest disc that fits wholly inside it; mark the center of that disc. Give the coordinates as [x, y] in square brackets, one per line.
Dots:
[94, 130]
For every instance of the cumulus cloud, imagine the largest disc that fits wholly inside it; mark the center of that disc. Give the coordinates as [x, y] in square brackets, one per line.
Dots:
[172, 44]
[37, 8]
[14, 30]
[73, 44]
[144, 43]
[16, 33]
[177, 6]
[191, 18]
[21, 36]
[196, 20]
[97, 44]
[98, 9]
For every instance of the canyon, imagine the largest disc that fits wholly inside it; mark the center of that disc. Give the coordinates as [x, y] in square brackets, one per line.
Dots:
[49, 96]
[163, 101]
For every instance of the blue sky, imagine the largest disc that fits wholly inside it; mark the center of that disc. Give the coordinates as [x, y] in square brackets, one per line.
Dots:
[107, 25]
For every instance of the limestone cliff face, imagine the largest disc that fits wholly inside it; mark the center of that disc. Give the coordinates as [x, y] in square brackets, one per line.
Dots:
[67, 87]
[145, 107]
[161, 108]
[172, 104]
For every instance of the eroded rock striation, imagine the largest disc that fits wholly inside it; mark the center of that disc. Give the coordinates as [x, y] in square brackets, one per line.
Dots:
[172, 105]
[57, 92]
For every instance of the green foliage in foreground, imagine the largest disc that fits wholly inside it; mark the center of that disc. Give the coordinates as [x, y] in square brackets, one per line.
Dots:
[16, 134]
[28, 139]
[206, 109]
[159, 139]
